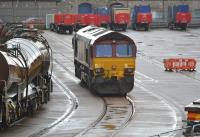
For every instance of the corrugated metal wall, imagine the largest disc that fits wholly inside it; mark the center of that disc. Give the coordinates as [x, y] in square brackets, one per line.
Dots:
[17, 10]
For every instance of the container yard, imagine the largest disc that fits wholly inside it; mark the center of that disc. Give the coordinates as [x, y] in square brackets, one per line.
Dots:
[108, 68]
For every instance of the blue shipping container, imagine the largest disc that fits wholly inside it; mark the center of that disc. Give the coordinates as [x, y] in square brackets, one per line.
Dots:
[183, 8]
[173, 10]
[139, 9]
[144, 9]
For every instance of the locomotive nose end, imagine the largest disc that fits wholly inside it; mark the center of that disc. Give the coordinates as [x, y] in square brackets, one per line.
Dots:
[4, 71]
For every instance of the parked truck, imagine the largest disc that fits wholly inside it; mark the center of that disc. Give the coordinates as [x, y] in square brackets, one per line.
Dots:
[193, 119]
[63, 22]
[120, 18]
[179, 16]
[141, 17]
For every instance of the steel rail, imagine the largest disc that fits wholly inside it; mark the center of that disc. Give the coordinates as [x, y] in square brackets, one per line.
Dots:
[66, 115]
[105, 114]
[114, 119]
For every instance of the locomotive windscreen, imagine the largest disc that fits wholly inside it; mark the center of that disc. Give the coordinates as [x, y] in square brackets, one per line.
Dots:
[103, 50]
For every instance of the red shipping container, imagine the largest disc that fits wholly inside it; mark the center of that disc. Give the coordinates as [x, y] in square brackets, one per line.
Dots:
[82, 19]
[122, 18]
[144, 18]
[69, 19]
[92, 19]
[58, 18]
[104, 19]
[183, 17]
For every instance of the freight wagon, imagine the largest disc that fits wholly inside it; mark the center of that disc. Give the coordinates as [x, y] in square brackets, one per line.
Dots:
[179, 16]
[104, 60]
[63, 22]
[120, 18]
[81, 21]
[25, 76]
[141, 17]
[103, 15]
[92, 19]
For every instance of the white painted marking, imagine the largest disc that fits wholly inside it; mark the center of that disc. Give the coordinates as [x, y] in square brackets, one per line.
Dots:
[172, 114]
[147, 77]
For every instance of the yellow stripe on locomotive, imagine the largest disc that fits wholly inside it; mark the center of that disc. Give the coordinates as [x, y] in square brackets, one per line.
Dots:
[114, 67]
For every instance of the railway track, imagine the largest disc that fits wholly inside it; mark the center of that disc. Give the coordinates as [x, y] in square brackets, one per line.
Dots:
[66, 115]
[118, 112]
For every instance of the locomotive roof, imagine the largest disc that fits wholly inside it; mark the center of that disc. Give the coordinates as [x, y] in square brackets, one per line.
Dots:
[93, 33]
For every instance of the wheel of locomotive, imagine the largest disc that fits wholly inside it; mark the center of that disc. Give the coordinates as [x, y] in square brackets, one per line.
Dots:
[77, 73]
[89, 82]
[83, 82]
[50, 86]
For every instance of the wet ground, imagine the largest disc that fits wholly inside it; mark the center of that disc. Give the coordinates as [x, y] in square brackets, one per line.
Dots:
[174, 89]
[159, 96]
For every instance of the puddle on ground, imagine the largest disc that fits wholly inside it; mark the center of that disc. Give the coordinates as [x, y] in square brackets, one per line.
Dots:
[109, 126]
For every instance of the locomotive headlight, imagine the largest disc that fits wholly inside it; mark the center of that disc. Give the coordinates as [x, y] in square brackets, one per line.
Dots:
[129, 70]
[99, 70]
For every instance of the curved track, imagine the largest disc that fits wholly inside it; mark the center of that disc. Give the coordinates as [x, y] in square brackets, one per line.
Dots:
[178, 88]
[118, 112]
[115, 115]
[144, 116]
[66, 115]
[48, 116]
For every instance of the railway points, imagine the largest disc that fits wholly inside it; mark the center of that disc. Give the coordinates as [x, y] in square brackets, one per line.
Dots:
[158, 99]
